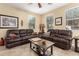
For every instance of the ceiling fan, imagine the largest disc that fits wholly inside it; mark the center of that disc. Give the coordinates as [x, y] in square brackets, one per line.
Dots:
[40, 4]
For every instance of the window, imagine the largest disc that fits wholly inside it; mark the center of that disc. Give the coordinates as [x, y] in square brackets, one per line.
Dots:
[49, 22]
[31, 22]
[72, 17]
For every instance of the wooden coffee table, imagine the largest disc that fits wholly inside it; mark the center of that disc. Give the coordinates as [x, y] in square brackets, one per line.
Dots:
[38, 47]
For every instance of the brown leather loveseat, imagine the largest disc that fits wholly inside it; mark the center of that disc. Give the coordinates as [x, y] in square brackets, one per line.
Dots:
[62, 38]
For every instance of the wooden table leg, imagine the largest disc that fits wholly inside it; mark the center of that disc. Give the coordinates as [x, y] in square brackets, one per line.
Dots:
[76, 45]
[30, 45]
[44, 52]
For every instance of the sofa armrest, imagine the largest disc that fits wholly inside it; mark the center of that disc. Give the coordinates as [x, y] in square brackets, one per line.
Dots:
[70, 39]
[6, 40]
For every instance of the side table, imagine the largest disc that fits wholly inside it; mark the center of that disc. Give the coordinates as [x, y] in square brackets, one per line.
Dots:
[76, 38]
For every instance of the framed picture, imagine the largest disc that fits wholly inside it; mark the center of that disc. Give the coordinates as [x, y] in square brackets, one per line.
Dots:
[58, 21]
[8, 21]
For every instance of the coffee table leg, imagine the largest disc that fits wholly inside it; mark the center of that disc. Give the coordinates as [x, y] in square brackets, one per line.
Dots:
[43, 52]
[30, 44]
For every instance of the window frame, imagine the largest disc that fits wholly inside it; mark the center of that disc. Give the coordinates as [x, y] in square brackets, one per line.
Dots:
[47, 22]
[70, 19]
[29, 21]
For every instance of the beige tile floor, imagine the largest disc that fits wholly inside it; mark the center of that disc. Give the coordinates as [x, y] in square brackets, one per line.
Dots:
[24, 50]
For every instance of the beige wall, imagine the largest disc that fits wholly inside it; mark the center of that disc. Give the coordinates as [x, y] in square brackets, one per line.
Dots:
[7, 10]
[23, 15]
[60, 12]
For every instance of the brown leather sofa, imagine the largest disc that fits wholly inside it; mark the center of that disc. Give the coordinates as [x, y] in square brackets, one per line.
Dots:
[22, 36]
[62, 38]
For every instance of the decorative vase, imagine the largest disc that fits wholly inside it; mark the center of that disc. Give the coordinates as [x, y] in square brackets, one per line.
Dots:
[41, 27]
[44, 42]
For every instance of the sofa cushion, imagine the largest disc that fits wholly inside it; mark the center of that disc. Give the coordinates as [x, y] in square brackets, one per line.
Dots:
[60, 40]
[45, 36]
[28, 37]
[22, 35]
[64, 37]
[12, 41]
[54, 35]
[22, 31]
[65, 32]
[29, 30]
[13, 31]
[55, 31]
[28, 34]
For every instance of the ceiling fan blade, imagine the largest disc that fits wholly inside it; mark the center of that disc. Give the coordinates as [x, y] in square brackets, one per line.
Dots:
[39, 5]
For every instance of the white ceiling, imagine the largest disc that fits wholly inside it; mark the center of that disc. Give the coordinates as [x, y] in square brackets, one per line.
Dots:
[33, 7]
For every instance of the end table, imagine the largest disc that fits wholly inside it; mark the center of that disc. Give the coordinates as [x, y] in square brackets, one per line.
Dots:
[76, 38]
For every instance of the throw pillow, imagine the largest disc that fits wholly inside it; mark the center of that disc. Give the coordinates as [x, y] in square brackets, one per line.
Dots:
[47, 34]
[34, 33]
[13, 36]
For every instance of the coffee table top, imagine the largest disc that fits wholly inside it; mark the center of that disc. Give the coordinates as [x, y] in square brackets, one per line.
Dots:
[39, 42]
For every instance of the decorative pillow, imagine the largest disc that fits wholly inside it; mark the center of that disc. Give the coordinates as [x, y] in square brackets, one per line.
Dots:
[34, 33]
[47, 34]
[13, 36]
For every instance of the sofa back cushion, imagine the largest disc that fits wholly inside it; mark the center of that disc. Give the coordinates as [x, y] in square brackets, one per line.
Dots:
[25, 32]
[12, 36]
[54, 32]
[60, 32]
[65, 32]
[22, 32]
[16, 32]
[29, 31]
